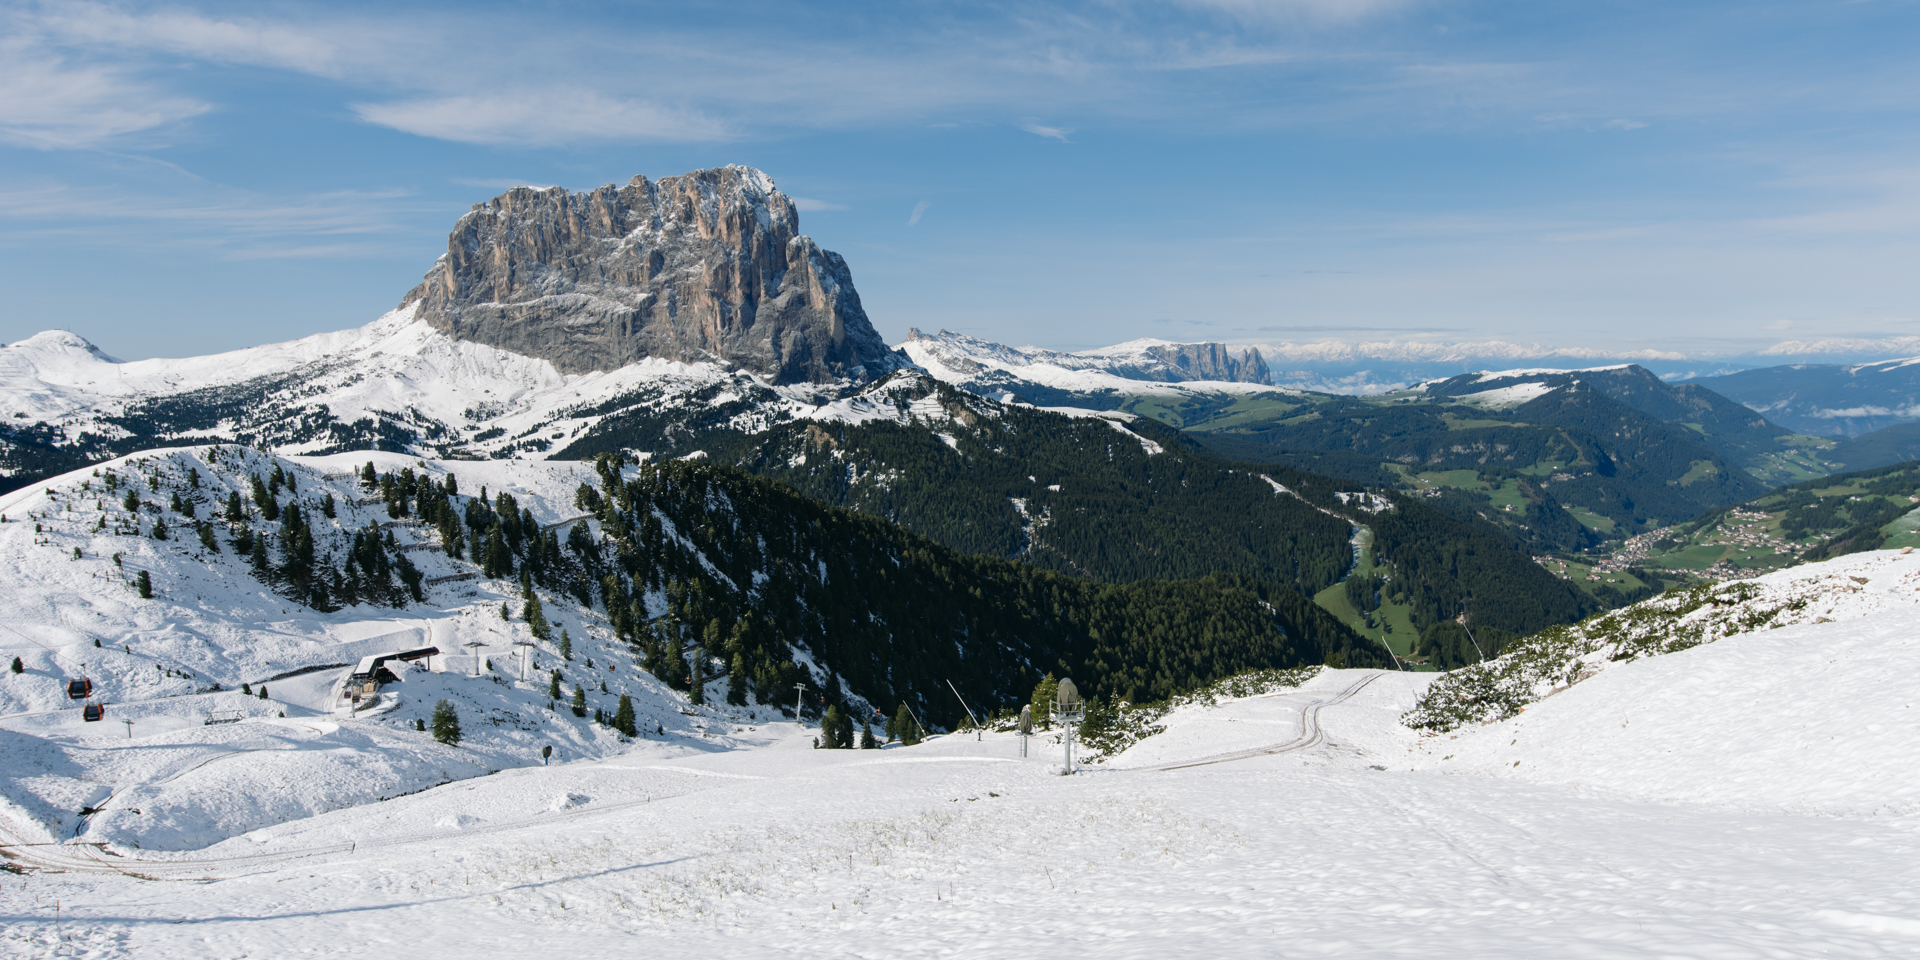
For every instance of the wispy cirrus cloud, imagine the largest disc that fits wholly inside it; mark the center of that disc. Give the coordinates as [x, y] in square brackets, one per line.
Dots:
[542, 117]
[1042, 130]
[51, 102]
[302, 47]
[808, 204]
[229, 223]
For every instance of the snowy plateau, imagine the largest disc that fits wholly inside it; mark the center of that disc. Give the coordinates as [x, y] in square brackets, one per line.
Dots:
[1752, 796]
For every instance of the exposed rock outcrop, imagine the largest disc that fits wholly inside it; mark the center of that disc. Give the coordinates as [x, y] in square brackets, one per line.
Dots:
[709, 266]
[1153, 361]
[1179, 362]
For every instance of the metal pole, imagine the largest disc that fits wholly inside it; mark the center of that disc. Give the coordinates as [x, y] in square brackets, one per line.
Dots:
[129, 724]
[799, 696]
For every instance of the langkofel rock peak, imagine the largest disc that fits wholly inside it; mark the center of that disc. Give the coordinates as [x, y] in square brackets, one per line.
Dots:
[709, 266]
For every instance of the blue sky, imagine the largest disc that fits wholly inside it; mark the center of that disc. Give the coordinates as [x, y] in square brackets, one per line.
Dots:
[1701, 178]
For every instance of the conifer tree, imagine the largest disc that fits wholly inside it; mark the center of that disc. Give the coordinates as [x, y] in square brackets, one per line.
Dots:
[496, 560]
[623, 717]
[446, 724]
[697, 678]
[536, 618]
[269, 507]
[676, 656]
[866, 737]
[236, 511]
[1042, 700]
[145, 583]
[553, 686]
[830, 727]
[843, 731]
[18, 667]
[579, 700]
[905, 727]
[327, 507]
[566, 646]
[263, 691]
[737, 681]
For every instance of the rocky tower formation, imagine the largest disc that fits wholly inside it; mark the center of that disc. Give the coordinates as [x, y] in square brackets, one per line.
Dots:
[709, 266]
[1199, 361]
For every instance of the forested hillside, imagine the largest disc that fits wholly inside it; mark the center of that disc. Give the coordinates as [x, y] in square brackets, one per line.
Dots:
[710, 572]
[1111, 500]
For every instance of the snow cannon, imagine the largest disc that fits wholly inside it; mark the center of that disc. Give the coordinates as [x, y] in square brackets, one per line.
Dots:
[1066, 698]
[1069, 710]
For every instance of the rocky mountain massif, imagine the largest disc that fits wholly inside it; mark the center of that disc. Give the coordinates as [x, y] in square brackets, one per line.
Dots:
[1100, 379]
[709, 266]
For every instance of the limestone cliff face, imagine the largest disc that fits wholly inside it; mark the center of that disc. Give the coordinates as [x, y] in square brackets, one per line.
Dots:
[709, 266]
[1176, 362]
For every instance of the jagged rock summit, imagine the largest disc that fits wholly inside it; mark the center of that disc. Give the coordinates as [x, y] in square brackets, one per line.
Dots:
[709, 266]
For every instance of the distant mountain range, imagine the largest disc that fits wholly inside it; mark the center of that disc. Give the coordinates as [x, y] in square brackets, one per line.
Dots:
[1829, 399]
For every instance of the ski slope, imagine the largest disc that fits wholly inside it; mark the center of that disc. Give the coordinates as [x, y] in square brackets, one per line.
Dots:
[1358, 842]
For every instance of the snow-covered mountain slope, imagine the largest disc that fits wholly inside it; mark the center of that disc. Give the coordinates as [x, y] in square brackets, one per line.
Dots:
[1790, 691]
[962, 847]
[395, 384]
[1090, 377]
[1817, 718]
[395, 378]
[69, 608]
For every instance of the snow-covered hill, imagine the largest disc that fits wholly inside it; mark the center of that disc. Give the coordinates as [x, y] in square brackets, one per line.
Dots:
[70, 608]
[1729, 816]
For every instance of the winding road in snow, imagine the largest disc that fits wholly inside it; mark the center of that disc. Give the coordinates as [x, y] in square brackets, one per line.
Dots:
[1311, 733]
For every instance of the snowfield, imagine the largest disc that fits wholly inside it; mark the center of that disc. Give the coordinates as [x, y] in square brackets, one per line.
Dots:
[1749, 797]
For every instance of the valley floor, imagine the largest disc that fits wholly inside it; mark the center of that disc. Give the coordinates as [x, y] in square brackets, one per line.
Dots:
[1357, 841]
